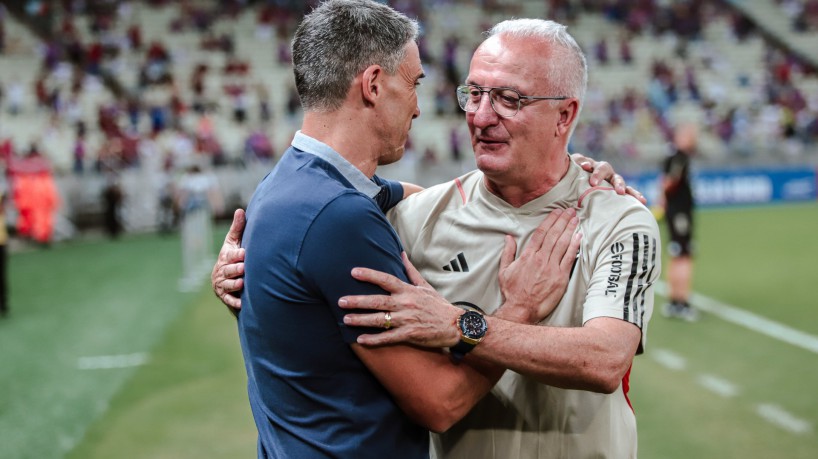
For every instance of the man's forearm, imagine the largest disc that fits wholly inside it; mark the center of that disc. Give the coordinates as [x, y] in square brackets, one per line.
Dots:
[593, 358]
[427, 385]
[410, 189]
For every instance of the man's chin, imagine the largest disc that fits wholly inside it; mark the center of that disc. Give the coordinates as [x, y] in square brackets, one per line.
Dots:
[490, 153]
[488, 164]
[393, 157]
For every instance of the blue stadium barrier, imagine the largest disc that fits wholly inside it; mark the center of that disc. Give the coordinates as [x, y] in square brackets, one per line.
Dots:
[741, 186]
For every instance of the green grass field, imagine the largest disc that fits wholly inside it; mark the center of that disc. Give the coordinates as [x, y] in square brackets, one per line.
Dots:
[179, 390]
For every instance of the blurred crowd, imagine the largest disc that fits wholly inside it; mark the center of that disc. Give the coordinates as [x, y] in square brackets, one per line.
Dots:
[776, 120]
[167, 85]
[803, 14]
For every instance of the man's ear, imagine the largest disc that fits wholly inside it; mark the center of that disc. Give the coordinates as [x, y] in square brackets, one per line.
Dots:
[371, 84]
[568, 115]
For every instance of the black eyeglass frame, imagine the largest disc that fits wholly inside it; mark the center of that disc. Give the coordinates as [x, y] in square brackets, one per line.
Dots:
[465, 89]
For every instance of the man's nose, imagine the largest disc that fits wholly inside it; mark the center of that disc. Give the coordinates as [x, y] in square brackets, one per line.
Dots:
[485, 114]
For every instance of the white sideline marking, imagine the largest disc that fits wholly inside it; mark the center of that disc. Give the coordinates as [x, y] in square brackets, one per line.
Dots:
[782, 418]
[749, 320]
[112, 361]
[668, 359]
[717, 385]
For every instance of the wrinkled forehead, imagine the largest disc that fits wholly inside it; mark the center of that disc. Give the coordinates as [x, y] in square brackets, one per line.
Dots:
[516, 62]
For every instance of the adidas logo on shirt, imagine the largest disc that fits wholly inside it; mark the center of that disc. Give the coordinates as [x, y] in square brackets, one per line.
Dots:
[457, 264]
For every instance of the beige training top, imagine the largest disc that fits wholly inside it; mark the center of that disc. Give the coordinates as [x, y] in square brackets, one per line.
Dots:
[454, 234]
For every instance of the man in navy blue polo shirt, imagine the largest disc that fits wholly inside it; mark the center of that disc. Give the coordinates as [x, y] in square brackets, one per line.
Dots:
[311, 220]
[308, 390]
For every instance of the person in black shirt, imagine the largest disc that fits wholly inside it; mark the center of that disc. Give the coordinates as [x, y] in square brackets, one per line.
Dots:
[679, 205]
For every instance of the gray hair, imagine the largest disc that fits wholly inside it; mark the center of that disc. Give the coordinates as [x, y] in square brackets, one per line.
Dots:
[341, 38]
[567, 71]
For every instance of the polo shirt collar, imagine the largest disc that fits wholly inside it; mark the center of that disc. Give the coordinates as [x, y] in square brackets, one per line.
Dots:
[354, 175]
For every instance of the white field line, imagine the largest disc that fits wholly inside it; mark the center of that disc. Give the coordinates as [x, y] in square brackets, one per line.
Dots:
[771, 413]
[749, 320]
[783, 419]
[98, 362]
[668, 359]
[717, 385]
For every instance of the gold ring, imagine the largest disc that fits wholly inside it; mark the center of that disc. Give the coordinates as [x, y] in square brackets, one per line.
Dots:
[387, 317]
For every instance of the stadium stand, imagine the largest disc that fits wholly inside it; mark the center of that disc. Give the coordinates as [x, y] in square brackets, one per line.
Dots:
[143, 89]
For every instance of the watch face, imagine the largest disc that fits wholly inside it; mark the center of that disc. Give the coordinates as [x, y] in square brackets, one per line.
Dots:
[473, 325]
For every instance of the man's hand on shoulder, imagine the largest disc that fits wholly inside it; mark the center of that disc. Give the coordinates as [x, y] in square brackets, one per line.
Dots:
[601, 171]
[411, 313]
[226, 277]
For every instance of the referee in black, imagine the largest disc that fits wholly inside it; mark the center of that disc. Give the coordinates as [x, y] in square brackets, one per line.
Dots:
[679, 205]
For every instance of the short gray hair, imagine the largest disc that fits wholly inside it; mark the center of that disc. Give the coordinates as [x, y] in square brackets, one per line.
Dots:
[341, 38]
[567, 71]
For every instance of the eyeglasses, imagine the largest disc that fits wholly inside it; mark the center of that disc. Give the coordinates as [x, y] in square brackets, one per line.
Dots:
[504, 101]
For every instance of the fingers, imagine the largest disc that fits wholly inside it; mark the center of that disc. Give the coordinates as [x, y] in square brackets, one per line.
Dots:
[226, 277]
[373, 319]
[393, 336]
[228, 267]
[602, 171]
[237, 256]
[232, 285]
[585, 162]
[618, 183]
[233, 270]
[236, 227]
[560, 237]
[434, 330]
[636, 194]
[228, 291]
[542, 231]
[229, 264]
[509, 252]
[550, 231]
[229, 259]
[231, 251]
[412, 273]
[571, 253]
[380, 303]
[231, 301]
[622, 188]
[383, 280]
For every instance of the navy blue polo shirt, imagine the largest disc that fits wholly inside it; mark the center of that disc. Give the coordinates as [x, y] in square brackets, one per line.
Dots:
[310, 221]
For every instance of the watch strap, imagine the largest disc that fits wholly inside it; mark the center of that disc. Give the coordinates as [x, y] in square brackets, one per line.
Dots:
[466, 306]
[459, 350]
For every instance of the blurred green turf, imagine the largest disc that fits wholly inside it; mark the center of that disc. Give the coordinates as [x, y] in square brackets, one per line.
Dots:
[76, 300]
[189, 401]
[762, 260]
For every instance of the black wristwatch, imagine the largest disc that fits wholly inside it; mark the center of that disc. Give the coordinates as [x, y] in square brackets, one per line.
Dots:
[473, 328]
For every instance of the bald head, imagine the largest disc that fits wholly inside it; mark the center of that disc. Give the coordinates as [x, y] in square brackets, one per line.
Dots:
[685, 137]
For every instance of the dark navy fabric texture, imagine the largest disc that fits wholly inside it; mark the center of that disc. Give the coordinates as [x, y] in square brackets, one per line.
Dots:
[310, 395]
